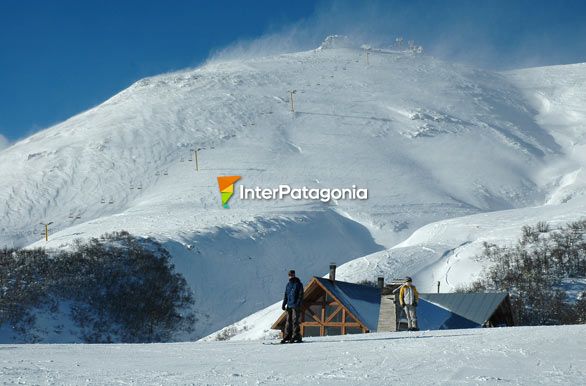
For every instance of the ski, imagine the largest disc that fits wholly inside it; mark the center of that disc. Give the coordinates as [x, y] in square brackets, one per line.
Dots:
[282, 344]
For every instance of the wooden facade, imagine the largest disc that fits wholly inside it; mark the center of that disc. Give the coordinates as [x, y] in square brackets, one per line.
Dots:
[323, 314]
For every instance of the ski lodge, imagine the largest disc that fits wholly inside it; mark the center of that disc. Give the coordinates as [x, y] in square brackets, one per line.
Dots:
[332, 307]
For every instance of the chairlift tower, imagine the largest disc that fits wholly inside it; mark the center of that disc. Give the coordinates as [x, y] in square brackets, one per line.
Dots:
[46, 225]
[291, 92]
[196, 158]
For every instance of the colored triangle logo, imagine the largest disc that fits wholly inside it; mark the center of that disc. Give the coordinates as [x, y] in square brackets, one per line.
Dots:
[226, 185]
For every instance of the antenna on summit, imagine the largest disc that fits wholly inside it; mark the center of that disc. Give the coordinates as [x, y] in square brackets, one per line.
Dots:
[399, 41]
[367, 52]
[367, 49]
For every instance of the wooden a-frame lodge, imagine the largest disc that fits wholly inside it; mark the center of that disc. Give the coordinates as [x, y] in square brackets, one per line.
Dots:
[332, 307]
[327, 310]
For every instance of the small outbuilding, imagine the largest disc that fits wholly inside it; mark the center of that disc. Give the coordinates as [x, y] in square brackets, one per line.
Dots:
[464, 310]
[333, 307]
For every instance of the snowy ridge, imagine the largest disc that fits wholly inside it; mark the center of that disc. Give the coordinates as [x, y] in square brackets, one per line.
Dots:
[430, 140]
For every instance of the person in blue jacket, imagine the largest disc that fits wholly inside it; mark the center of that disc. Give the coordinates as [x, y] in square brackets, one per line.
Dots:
[292, 304]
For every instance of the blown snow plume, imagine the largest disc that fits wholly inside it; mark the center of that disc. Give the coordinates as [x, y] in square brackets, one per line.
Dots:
[3, 142]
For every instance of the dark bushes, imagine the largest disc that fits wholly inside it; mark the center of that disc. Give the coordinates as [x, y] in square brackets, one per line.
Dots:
[536, 270]
[115, 289]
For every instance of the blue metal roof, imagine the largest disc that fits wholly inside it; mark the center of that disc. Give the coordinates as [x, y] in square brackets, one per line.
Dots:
[433, 317]
[361, 300]
[476, 307]
[434, 311]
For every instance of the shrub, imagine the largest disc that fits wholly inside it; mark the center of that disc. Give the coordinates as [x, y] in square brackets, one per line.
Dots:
[532, 271]
[118, 288]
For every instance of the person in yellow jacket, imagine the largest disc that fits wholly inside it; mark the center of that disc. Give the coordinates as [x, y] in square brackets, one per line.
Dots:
[408, 297]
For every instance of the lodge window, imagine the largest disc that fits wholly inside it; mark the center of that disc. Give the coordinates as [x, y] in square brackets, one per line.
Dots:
[311, 331]
[337, 317]
[353, 330]
[313, 313]
[331, 330]
[325, 316]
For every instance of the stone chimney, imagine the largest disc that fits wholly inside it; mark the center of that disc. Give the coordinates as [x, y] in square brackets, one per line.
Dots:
[333, 271]
[380, 282]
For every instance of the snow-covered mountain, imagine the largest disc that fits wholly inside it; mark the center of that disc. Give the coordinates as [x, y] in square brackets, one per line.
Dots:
[455, 154]
[447, 250]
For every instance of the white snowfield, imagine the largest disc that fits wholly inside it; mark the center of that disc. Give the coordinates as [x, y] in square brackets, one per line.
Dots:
[451, 156]
[447, 250]
[512, 356]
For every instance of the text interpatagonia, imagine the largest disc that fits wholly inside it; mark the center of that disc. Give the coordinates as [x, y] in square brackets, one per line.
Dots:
[303, 193]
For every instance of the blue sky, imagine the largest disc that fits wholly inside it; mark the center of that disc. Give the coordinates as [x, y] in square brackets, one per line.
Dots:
[58, 58]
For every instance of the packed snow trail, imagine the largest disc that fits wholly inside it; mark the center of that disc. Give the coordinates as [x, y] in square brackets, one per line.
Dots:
[520, 356]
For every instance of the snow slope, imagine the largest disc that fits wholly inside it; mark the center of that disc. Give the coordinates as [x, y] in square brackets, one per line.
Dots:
[520, 356]
[430, 140]
[447, 250]
[410, 121]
